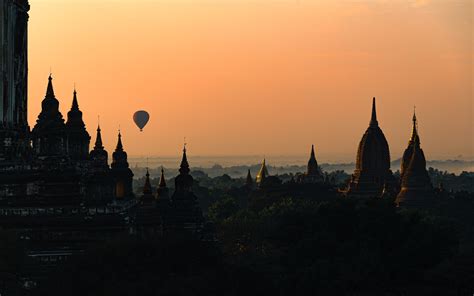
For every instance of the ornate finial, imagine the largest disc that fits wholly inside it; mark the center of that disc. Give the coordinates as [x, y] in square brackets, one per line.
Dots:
[50, 90]
[414, 133]
[414, 113]
[184, 167]
[119, 142]
[98, 140]
[373, 120]
[75, 104]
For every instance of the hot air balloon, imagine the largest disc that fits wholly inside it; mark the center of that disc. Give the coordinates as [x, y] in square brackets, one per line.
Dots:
[141, 119]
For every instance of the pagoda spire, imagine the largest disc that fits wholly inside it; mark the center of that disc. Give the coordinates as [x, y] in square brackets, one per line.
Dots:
[162, 193]
[313, 156]
[49, 89]
[373, 120]
[74, 116]
[416, 188]
[162, 179]
[313, 168]
[184, 167]
[249, 180]
[98, 140]
[75, 105]
[262, 173]
[119, 142]
[50, 105]
[414, 133]
[147, 190]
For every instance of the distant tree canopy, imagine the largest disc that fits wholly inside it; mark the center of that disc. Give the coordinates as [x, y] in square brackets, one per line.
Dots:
[288, 247]
[343, 247]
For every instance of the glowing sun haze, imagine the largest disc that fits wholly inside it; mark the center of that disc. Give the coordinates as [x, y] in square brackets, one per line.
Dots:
[261, 77]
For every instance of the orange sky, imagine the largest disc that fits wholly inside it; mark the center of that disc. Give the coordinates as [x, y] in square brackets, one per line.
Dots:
[255, 77]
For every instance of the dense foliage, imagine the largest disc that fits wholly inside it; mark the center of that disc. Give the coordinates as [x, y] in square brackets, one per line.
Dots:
[290, 246]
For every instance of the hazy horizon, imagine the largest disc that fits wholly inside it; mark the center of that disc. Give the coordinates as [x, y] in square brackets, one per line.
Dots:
[259, 77]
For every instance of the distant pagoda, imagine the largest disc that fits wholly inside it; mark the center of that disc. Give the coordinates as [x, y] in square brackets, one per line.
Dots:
[249, 184]
[409, 150]
[185, 213]
[121, 172]
[313, 172]
[417, 190]
[162, 193]
[372, 171]
[262, 174]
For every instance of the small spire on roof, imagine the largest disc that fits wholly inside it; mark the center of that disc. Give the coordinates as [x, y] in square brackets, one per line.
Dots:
[373, 120]
[162, 179]
[119, 142]
[50, 89]
[184, 167]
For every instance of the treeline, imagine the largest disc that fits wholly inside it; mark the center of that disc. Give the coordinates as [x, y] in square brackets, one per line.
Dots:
[312, 243]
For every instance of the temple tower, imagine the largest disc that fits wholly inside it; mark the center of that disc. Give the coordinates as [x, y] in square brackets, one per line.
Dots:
[122, 174]
[185, 213]
[262, 174]
[49, 134]
[78, 138]
[249, 184]
[99, 156]
[147, 196]
[409, 150]
[373, 162]
[313, 173]
[417, 190]
[99, 181]
[14, 142]
[162, 193]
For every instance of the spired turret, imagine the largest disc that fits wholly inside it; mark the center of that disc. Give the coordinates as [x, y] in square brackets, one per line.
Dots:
[78, 139]
[313, 173]
[262, 174]
[147, 196]
[49, 133]
[121, 173]
[373, 162]
[162, 193]
[185, 213]
[148, 219]
[99, 156]
[417, 190]
[249, 184]
[99, 181]
[409, 150]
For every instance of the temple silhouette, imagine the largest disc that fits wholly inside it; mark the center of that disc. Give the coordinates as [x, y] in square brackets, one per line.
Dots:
[54, 188]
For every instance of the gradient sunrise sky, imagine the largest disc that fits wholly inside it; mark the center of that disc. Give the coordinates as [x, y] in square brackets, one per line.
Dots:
[255, 77]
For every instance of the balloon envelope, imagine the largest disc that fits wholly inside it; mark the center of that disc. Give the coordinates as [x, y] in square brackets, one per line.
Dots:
[141, 119]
